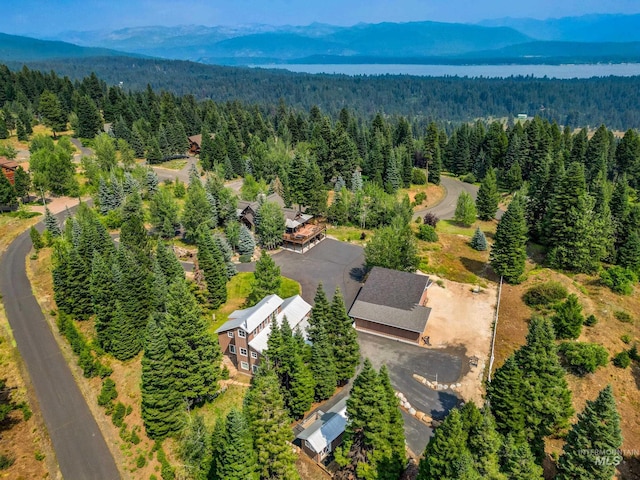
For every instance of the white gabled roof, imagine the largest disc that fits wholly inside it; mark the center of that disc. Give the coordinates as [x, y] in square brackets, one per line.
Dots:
[325, 430]
[296, 310]
[249, 318]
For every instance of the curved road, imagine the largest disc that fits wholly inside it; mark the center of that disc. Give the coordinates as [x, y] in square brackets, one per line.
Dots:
[446, 208]
[80, 448]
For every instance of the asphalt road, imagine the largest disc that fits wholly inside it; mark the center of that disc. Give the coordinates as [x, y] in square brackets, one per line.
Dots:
[447, 206]
[80, 448]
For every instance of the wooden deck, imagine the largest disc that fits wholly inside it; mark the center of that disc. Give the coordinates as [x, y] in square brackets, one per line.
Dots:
[304, 238]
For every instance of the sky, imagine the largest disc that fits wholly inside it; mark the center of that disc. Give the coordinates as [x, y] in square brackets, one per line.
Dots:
[47, 17]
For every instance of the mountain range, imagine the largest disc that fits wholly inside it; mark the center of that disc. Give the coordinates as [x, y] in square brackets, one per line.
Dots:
[586, 39]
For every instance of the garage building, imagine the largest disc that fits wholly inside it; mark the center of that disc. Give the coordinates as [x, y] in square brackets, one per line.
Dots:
[392, 304]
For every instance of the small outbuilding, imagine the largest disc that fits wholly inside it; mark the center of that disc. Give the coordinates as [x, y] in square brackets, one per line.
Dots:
[325, 434]
[9, 168]
[392, 304]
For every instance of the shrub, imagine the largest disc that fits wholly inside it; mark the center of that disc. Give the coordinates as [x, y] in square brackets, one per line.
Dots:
[479, 241]
[567, 322]
[619, 279]
[224, 375]
[431, 219]
[427, 233]
[633, 353]
[624, 317]
[626, 338]
[118, 414]
[245, 258]
[141, 461]
[179, 190]
[134, 437]
[418, 176]
[466, 212]
[582, 357]
[468, 178]
[6, 461]
[420, 198]
[622, 360]
[591, 320]
[107, 393]
[26, 411]
[545, 294]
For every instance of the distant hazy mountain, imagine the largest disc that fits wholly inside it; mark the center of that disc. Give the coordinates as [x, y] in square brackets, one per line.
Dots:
[586, 28]
[13, 47]
[286, 42]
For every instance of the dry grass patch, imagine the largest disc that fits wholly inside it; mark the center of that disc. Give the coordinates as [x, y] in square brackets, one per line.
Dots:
[597, 300]
[11, 226]
[435, 194]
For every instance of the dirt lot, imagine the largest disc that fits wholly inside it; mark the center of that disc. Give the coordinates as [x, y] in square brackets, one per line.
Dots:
[460, 317]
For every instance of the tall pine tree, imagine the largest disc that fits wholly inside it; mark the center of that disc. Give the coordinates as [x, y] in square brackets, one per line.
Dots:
[509, 250]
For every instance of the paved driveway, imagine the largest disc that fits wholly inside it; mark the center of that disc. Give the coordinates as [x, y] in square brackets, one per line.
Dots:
[334, 263]
[402, 361]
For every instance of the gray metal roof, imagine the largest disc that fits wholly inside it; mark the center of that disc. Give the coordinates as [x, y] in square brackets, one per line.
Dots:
[327, 428]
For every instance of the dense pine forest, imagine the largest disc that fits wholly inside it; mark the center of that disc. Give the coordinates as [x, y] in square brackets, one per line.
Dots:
[571, 192]
[576, 102]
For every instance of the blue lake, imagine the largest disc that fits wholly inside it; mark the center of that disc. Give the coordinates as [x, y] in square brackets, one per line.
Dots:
[551, 71]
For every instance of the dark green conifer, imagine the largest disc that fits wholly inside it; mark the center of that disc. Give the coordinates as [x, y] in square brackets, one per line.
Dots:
[302, 386]
[445, 450]
[344, 339]
[320, 313]
[391, 464]
[568, 319]
[518, 463]
[509, 250]
[80, 302]
[597, 433]
[505, 393]
[237, 459]
[267, 279]
[488, 196]
[51, 223]
[102, 288]
[122, 343]
[322, 364]
[195, 354]
[169, 263]
[162, 407]
[270, 424]
[211, 262]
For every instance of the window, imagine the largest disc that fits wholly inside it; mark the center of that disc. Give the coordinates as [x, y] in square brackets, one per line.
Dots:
[242, 333]
[232, 349]
[254, 355]
[244, 365]
[243, 352]
[254, 368]
[230, 334]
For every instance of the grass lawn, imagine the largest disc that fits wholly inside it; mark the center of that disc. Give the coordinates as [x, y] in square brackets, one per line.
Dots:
[238, 290]
[348, 234]
[222, 405]
[177, 164]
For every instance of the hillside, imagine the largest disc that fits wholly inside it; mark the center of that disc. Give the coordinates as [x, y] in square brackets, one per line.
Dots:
[585, 28]
[17, 48]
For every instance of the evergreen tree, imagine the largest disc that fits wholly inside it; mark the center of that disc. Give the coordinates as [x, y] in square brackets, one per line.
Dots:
[392, 465]
[22, 182]
[517, 461]
[80, 302]
[320, 314]
[445, 450]
[51, 223]
[509, 250]
[227, 253]
[59, 273]
[433, 153]
[571, 227]
[211, 262]
[122, 343]
[488, 196]
[246, 243]
[102, 287]
[195, 354]
[356, 181]
[151, 182]
[598, 433]
[483, 441]
[51, 110]
[196, 212]
[465, 210]
[479, 241]
[164, 213]
[267, 279]
[36, 239]
[322, 364]
[133, 235]
[269, 422]
[301, 390]
[89, 119]
[169, 263]
[159, 287]
[506, 396]
[343, 338]
[513, 178]
[546, 394]
[161, 404]
[237, 459]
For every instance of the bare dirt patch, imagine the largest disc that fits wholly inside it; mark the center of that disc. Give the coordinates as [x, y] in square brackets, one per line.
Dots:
[460, 317]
